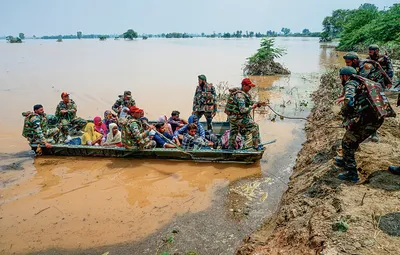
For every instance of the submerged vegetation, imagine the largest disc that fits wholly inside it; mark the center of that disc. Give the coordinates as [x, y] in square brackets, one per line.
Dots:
[12, 39]
[262, 62]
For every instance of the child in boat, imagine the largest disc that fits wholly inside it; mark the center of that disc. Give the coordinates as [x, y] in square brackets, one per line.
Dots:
[192, 141]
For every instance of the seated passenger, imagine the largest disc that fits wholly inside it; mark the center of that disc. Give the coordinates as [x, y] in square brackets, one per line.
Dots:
[133, 133]
[36, 129]
[114, 136]
[191, 141]
[109, 118]
[168, 127]
[66, 113]
[100, 127]
[162, 142]
[91, 136]
[175, 121]
[184, 129]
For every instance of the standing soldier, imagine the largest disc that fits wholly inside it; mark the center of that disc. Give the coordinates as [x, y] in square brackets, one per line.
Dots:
[36, 129]
[134, 135]
[66, 114]
[205, 101]
[369, 71]
[123, 103]
[238, 108]
[383, 60]
[361, 121]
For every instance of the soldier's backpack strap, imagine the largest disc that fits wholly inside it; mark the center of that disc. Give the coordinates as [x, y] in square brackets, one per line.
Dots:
[375, 97]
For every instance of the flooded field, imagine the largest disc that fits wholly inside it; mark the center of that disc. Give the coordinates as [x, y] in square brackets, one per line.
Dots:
[97, 205]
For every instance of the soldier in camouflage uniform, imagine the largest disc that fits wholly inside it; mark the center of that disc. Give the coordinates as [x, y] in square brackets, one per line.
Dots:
[359, 122]
[383, 60]
[36, 129]
[366, 69]
[205, 101]
[123, 101]
[238, 109]
[66, 114]
[134, 135]
[369, 71]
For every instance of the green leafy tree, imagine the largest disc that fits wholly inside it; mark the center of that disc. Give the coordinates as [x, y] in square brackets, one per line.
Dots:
[285, 31]
[367, 25]
[306, 31]
[59, 39]
[103, 37]
[130, 34]
[22, 36]
[267, 51]
[79, 34]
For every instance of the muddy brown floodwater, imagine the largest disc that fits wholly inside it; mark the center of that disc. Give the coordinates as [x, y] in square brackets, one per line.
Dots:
[70, 204]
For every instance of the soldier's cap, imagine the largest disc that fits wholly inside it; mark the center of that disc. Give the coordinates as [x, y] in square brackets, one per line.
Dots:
[373, 47]
[127, 93]
[37, 107]
[202, 77]
[348, 70]
[64, 94]
[247, 81]
[133, 109]
[350, 56]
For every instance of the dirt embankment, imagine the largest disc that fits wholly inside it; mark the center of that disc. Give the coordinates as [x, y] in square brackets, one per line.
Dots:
[319, 213]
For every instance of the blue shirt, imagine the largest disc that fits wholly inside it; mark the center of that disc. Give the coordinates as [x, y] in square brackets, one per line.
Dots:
[161, 141]
[183, 130]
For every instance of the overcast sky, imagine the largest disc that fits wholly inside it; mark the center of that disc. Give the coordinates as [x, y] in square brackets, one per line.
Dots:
[53, 17]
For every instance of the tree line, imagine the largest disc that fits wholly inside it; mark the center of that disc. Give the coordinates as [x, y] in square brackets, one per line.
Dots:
[131, 34]
[361, 27]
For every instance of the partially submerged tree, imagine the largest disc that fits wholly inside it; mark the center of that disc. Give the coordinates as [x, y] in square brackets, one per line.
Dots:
[103, 37]
[59, 39]
[22, 36]
[79, 34]
[262, 62]
[11, 39]
[130, 34]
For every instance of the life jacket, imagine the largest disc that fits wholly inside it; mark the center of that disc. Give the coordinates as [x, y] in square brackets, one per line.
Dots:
[232, 107]
[29, 130]
[371, 96]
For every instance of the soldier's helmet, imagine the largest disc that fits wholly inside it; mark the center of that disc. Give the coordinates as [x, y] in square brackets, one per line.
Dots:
[373, 47]
[350, 56]
[347, 70]
[51, 120]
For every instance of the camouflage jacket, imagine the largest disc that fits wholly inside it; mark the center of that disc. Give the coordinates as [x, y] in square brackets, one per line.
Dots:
[386, 64]
[372, 72]
[133, 133]
[120, 103]
[71, 110]
[239, 103]
[35, 127]
[205, 99]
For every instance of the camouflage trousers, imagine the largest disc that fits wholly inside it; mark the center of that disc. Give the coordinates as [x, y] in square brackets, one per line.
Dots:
[51, 136]
[246, 125]
[73, 125]
[208, 116]
[353, 137]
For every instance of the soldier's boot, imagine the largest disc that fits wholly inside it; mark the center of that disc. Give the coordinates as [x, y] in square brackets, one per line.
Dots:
[349, 176]
[374, 138]
[339, 161]
[394, 169]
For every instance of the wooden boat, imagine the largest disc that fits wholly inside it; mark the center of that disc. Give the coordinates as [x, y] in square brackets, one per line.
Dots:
[203, 155]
